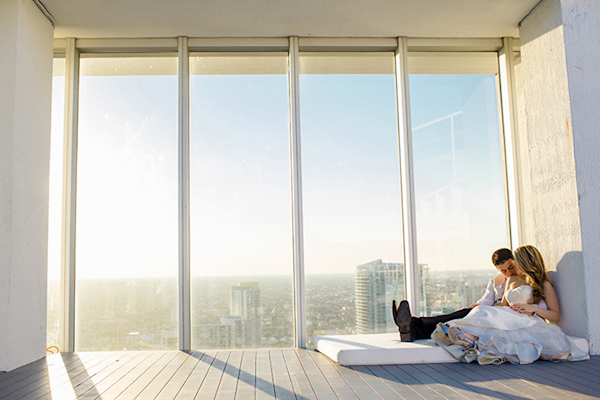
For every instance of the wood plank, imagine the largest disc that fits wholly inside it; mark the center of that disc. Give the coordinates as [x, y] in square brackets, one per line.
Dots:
[520, 382]
[209, 387]
[574, 379]
[153, 380]
[358, 386]
[26, 380]
[489, 387]
[554, 386]
[55, 368]
[138, 377]
[192, 384]
[288, 374]
[77, 373]
[247, 379]
[298, 376]
[429, 382]
[109, 372]
[452, 384]
[174, 385]
[264, 386]
[378, 385]
[229, 382]
[405, 391]
[7, 378]
[113, 382]
[422, 389]
[282, 382]
[337, 383]
[319, 384]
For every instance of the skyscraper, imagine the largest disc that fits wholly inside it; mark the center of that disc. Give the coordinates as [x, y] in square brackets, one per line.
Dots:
[245, 302]
[377, 284]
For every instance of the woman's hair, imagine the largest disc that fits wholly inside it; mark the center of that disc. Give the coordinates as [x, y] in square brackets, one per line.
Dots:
[530, 262]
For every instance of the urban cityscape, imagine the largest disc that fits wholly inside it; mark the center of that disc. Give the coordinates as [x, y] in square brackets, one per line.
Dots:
[253, 311]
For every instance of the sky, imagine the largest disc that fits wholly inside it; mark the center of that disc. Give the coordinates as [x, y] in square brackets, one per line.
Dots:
[240, 190]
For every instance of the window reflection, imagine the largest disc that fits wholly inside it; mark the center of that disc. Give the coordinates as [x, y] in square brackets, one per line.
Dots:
[459, 187]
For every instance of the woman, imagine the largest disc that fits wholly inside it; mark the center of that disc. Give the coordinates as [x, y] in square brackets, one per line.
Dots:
[517, 332]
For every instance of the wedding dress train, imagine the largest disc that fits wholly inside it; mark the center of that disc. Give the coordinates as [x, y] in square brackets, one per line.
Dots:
[506, 335]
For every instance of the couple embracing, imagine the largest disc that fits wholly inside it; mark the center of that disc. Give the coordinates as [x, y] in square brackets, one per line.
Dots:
[514, 321]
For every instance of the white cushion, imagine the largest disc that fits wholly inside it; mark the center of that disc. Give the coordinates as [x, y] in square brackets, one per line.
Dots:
[380, 349]
[386, 348]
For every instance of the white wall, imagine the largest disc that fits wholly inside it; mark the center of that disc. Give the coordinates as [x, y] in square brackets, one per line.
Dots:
[581, 21]
[559, 61]
[26, 39]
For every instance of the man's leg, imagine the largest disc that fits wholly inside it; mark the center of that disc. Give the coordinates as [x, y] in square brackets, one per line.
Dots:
[423, 327]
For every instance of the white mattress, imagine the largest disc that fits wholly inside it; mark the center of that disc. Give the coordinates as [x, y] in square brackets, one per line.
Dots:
[386, 348]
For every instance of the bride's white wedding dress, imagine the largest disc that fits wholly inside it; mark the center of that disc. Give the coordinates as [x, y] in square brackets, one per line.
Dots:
[506, 335]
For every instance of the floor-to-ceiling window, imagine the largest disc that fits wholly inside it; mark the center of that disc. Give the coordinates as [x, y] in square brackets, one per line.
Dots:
[126, 226]
[458, 175]
[240, 201]
[354, 261]
[241, 232]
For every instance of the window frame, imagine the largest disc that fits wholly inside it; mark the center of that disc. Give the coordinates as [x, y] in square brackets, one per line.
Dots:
[72, 49]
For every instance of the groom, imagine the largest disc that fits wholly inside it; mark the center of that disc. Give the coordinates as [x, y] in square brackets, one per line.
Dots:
[414, 328]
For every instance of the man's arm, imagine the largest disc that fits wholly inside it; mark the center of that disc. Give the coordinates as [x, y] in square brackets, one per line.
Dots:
[489, 297]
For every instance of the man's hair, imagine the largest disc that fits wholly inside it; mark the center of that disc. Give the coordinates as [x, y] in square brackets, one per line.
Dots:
[501, 256]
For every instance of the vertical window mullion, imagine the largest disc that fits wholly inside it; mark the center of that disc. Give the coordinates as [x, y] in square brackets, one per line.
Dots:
[184, 196]
[509, 125]
[298, 237]
[67, 279]
[407, 178]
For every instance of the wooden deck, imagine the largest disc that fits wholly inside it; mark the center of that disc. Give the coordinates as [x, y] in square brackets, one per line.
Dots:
[287, 374]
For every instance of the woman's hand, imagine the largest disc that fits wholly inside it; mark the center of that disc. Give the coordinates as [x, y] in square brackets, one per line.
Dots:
[523, 308]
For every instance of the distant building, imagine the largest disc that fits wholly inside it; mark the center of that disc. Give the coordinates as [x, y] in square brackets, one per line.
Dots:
[245, 302]
[377, 284]
[240, 329]
[213, 336]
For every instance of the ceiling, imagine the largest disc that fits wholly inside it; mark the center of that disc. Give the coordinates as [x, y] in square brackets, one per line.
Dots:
[281, 18]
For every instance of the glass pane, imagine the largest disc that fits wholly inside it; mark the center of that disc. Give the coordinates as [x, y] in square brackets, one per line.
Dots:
[241, 235]
[127, 257]
[55, 203]
[351, 184]
[459, 187]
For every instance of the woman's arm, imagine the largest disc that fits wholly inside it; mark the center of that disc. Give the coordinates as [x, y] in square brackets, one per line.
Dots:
[551, 314]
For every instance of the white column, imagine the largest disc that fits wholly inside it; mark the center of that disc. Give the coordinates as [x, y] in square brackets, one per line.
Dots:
[185, 341]
[67, 279]
[411, 263]
[26, 39]
[297, 218]
[561, 75]
[509, 123]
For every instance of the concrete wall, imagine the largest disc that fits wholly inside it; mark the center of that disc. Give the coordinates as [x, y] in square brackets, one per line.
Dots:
[26, 39]
[559, 58]
[581, 25]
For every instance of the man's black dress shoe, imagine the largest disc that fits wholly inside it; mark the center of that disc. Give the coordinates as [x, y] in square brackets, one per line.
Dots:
[402, 318]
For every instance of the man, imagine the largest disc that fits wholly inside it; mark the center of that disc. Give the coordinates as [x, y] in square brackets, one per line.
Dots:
[414, 328]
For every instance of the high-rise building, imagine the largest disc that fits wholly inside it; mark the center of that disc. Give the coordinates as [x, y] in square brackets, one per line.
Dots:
[377, 284]
[245, 302]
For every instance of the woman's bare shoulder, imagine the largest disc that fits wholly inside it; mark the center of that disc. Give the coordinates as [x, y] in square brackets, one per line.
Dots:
[498, 280]
[515, 281]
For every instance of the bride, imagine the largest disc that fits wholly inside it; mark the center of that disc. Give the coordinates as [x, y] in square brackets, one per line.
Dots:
[517, 332]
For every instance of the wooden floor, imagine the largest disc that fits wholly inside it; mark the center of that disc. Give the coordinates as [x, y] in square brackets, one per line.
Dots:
[287, 374]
